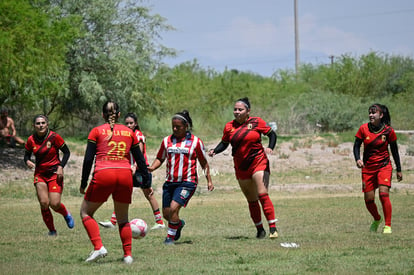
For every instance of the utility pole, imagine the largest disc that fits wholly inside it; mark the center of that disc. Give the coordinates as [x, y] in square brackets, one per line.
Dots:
[296, 37]
[332, 59]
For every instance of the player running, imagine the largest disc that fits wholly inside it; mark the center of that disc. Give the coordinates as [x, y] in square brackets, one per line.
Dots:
[109, 145]
[181, 150]
[376, 166]
[250, 162]
[48, 171]
[131, 121]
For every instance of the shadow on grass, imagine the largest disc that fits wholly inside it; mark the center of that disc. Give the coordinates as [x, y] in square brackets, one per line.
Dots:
[184, 242]
[236, 238]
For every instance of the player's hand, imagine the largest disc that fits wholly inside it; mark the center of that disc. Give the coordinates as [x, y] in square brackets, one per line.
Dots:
[268, 151]
[82, 190]
[211, 153]
[30, 164]
[399, 176]
[360, 164]
[59, 175]
[210, 186]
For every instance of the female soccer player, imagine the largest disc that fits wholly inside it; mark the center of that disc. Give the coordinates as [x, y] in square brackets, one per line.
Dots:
[110, 144]
[250, 162]
[48, 175]
[376, 166]
[131, 121]
[181, 150]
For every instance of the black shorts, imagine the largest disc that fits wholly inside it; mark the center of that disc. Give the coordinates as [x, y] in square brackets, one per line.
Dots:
[137, 180]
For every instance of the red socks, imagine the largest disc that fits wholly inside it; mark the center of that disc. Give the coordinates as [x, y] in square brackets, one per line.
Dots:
[172, 229]
[268, 209]
[255, 213]
[126, 238]
[372, 208]
[62, 210]
[113, 218]
[92, 229]
[48, 219]
[158, 217]
[386, 207]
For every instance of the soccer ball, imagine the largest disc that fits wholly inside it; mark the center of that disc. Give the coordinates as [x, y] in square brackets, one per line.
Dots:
[139, 228]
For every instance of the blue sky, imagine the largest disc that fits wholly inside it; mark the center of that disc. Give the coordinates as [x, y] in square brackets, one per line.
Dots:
[258, 36]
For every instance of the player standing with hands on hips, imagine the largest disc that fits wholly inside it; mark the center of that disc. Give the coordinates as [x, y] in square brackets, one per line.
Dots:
[250, 162]
[110, 144]
[48, 175]
[181, 150]
[376, 166]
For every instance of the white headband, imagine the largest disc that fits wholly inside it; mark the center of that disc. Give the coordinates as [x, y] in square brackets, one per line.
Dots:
[245, 104]
[180, 117]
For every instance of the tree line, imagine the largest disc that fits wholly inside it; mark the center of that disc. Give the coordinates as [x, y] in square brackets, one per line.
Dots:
[65, 58]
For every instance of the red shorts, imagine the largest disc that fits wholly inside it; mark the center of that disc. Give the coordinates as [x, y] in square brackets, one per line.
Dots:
[51, 182]
[259, 164]
[371, 179]
[105, 182]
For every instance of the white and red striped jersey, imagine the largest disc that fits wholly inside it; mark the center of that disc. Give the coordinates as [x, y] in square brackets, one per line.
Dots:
[181, 156]
[141, 138]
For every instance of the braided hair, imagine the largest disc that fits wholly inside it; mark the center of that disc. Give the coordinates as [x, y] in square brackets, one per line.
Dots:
[110, 112]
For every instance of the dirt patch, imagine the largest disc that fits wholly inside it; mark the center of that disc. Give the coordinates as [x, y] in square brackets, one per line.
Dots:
[294, 165]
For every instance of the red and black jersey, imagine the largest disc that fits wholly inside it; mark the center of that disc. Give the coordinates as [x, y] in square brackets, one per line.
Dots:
[113, 153]
[246, 140]
[376, 153]
[46, 152]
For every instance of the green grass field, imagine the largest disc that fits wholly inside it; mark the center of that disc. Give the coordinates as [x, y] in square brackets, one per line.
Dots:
[319, 206]
[219, 238]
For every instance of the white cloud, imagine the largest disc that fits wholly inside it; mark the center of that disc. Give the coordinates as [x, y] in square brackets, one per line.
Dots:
[329, 40]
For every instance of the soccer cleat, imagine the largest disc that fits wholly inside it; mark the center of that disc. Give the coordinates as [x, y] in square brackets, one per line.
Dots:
[387, 230]
[97, 254]
[69, 220]
[107, 224]
[375, 225]
[52, 233]
[273, 233]
[158, 226]
[169, 241]
[128, 259]
[261, 233]
[178, 234]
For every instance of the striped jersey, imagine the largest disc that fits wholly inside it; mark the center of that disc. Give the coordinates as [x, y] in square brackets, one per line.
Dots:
[181, 156]
[141, 138]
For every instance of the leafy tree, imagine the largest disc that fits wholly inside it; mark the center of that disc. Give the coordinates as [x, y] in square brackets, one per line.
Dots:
[32, 57]
[117, 58]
